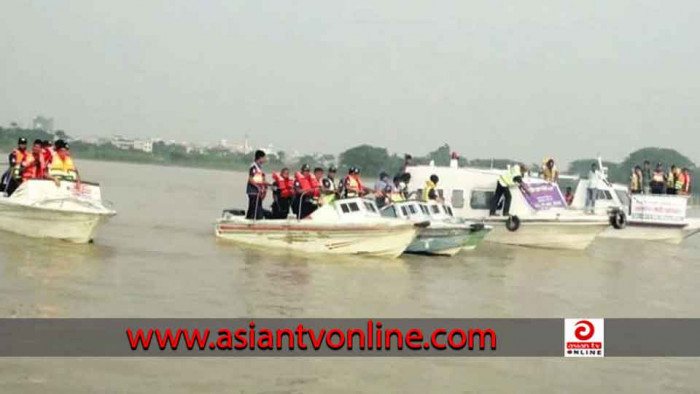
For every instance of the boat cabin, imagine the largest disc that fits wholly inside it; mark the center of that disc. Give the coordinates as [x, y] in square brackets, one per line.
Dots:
[348, 209]
[469, 191]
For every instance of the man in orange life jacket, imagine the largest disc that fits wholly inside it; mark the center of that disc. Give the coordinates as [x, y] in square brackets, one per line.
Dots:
[283, 194]
[48, 151]
[34, 166]
[12, 178]
[302, 204]
[684, 182]
[256, 188]
[352, 184]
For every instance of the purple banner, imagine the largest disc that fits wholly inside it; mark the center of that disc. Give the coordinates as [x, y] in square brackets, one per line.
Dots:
[542, 195]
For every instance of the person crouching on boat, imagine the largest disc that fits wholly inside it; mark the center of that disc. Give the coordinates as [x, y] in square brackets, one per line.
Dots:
[62, 167]
[34, 164]
[283, 192]
[352, 185]
[256, 188]
[303, 193]
[512, 177]
[430, 192]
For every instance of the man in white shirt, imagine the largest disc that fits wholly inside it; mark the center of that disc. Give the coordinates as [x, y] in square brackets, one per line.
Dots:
[592, 190]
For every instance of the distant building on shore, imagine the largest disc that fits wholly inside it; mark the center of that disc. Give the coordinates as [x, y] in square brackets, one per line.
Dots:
[144, 145]
[43, 123]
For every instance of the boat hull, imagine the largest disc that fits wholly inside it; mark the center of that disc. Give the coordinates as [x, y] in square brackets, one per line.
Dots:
[382, 241]
[645, 232]
[548, 234]
[475, 238]
[48, 223]
[440, 242]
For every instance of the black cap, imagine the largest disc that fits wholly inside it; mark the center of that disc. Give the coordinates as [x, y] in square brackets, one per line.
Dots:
[332, 168]
[59, 144]
[21, 140]
[356, 170]
[305, 167]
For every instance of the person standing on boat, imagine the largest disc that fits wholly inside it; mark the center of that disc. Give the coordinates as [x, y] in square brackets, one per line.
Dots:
[352, 184]
[256, 188]
[283, 193]
[550, 173]
[380, 189]
[591, 189]
[430, 192]
[646, 177]
[12, 178]
[303, 193]
[658, 180]
[512, 177]
[672, 180]
[686, 188]
[636, 181]
[329, 190]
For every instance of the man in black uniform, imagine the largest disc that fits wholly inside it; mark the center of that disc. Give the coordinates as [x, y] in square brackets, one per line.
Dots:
[256, 188]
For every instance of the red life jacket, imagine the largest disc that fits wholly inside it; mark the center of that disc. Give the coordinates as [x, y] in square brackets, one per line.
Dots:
[48, 155]
[30, 168]
[303, 182]
[285, 185]
[314, 185]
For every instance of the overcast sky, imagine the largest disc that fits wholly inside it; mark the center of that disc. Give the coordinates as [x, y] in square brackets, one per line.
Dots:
[520, 79]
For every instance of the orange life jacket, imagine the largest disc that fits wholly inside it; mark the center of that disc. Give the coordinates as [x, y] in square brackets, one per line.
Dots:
[285, 185]
[31, 170]
[353, 186]
[314, 185]
[686, 185]
[303, 182]
[19, 159]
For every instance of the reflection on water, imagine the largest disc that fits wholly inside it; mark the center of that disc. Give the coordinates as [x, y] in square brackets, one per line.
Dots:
[158, 258]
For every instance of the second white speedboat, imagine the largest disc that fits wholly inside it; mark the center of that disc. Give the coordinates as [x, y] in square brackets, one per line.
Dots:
[38, 208]
[538, 215]
[349, 226]
[645, 217]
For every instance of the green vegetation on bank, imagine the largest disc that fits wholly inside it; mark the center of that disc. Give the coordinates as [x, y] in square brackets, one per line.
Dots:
[371, 159]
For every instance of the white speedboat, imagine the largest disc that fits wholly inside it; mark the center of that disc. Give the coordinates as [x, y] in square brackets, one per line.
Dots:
[349, 226]
[39, 208]
[648, 217]
[538, 215]
[440, 233]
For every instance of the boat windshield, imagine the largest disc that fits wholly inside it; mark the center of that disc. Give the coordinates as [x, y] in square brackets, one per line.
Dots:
[624, 198]
[448, 210]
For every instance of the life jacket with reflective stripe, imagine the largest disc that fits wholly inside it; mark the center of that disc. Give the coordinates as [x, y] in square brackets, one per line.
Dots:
[19, 157]
[506, 179]
[671, 182]
[353, 186]
[62, 168]
[658, 177]
[429, 186]
[635, 182]
[314, 185]
[303, 182]
[285, 185]
[258, 176]
[31, 169]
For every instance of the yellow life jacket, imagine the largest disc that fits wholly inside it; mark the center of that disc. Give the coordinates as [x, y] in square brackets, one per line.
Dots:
[429, 186]
[396, 196]
[671, 182]
[63, 168]
[506, 179]
[680, 181]
[634, 182]
[658, 177]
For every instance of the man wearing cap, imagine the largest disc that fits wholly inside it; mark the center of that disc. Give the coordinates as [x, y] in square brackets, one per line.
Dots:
[256, 188]
[13, 176]
[34, 165]
[329, 189]
[62, 167]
